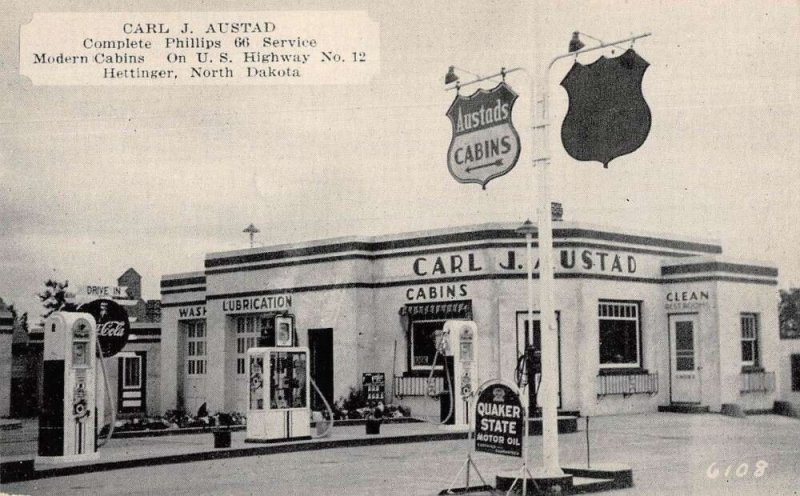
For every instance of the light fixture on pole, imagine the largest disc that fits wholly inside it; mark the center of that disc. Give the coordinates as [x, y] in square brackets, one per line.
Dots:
[252, 231]
[451, 76]
[575, 43]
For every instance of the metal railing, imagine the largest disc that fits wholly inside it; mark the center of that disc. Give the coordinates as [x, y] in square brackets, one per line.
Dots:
[416, 386]
[758, 382]
[627, 384]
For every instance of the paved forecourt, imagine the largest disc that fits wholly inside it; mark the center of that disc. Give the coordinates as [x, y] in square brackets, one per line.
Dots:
[669, 453]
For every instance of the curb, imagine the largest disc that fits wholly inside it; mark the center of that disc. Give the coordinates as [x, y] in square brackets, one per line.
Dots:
[10, 425]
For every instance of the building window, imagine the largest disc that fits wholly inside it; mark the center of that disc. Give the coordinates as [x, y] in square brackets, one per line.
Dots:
[423, 344]
[196, 348]
[795, 372]
[247, 332]
[132, 371]
[749, 339]
[619, 334]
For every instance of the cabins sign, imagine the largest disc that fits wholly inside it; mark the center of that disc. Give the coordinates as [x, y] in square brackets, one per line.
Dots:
[485, 144]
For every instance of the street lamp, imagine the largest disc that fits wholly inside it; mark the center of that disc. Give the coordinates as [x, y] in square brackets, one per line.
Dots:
[548, 390]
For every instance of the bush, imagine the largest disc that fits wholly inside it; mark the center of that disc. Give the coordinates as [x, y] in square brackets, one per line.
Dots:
[355, 406]
[177, 419]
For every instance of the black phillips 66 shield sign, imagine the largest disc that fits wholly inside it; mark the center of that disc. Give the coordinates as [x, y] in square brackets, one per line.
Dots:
[608, 116]
[485, 144]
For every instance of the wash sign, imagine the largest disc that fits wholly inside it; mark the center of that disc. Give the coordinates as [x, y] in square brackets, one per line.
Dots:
[498, 421]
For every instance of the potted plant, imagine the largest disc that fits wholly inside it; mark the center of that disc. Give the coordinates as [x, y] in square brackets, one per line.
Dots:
[375, 418]
[222, 433]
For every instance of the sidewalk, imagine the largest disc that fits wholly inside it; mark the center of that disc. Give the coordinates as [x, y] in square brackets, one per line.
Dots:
[21, 447]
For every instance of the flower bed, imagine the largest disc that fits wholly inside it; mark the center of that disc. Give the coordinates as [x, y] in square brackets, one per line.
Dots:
[175, 422]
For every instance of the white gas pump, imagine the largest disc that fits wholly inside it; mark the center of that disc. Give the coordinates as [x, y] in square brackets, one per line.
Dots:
[68, 422]
[462, 337]
[279, 402]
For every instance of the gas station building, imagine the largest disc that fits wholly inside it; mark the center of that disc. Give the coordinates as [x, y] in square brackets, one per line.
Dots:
[645, 321]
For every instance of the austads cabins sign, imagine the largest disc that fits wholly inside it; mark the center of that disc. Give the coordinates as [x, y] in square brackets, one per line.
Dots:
[485, 144]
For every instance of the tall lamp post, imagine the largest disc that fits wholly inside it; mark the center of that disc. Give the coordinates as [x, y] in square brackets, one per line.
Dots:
[548, 390]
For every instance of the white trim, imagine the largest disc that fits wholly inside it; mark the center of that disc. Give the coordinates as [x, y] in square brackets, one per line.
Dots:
[621, 304]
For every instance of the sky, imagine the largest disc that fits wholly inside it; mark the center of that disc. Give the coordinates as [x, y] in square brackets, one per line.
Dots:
[97, 179]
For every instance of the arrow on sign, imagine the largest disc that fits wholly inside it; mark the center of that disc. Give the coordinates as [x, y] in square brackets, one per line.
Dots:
[497, 162]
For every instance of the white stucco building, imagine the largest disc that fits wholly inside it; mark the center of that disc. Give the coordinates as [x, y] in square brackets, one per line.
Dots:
[645, 321]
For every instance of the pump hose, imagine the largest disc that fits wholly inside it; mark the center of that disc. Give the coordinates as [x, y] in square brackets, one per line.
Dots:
[449, 388]
[111, 403]
[327, 407]
[521, 371]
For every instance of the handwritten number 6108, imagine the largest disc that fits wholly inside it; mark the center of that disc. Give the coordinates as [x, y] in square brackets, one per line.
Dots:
[741, 470]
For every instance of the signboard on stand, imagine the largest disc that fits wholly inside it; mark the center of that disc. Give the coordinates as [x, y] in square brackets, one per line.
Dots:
[374, 384]
[498, 420]
[485, 144]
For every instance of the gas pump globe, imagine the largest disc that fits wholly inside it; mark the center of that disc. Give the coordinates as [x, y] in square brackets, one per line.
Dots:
[279, 395]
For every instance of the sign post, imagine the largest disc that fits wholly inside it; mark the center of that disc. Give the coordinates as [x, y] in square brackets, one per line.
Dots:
[592, 148]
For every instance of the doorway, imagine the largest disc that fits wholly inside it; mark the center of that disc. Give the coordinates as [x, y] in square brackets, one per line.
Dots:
[320, 347]
[132, 382]
[684, 366]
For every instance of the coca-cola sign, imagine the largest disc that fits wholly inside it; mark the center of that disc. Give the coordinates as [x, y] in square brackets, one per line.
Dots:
[113, 326]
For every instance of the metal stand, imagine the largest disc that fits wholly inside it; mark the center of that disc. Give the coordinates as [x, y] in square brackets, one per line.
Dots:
[467, 463]
[524, 473]
[523, 470]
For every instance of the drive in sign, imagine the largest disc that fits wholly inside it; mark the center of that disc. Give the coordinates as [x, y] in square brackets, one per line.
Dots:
[485, 144]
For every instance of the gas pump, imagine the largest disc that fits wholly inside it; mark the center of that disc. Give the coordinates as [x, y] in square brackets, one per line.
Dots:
[67, 423]
[279, 403]
[529, 371]
[462, 336]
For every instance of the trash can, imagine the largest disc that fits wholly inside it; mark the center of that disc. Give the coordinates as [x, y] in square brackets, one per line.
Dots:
[373, 426]
[222, 438]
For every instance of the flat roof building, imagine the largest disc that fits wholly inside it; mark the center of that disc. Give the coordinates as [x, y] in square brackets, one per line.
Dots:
[644, 320]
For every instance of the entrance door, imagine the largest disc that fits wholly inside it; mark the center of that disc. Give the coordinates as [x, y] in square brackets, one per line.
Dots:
[685, 376]
[248, 329]
[195, 365]
[524, 339]
[320, 347]
[131, 382]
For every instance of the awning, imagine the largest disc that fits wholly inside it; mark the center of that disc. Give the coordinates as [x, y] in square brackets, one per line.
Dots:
[461, 309]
